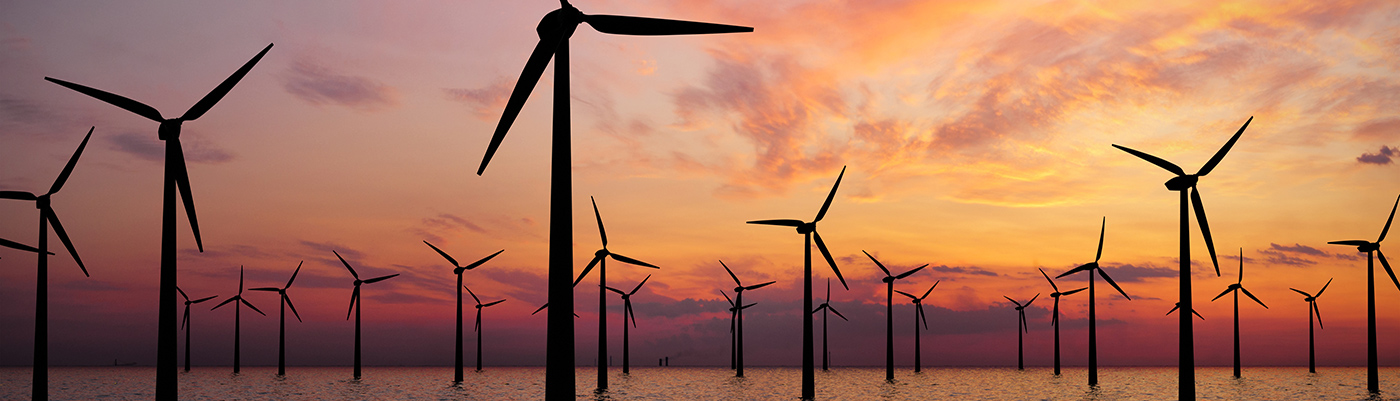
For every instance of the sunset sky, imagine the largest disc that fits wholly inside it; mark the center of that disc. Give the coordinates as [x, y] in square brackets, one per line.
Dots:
[976, 137]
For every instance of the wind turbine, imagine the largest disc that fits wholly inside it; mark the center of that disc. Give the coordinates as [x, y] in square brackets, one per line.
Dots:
[889, 312]
[919, 315]
[355, 305]
[1093, 321]
[809, 231]
[600, 258]
[1020, 327]
[282, 320]
[735, 335]
[40, 383]
[1055, 315]
[1373, 378]
[823, 308]
[1238, 287]
[479, 306]
[185, 322]
[237, 316]
[554, 32]
[1312, 305]
[739, 289]
[627, 311]
[458, 270]
[176, 178]
[1186, 365]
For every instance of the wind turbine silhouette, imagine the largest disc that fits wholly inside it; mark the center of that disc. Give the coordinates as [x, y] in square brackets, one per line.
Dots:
[809, 231]
[554, 32]
[479, 306]
[889, 312]
[1312, 305]
[237, 316]
[355, 305]
[739, 289]
[735, 335]
[1373, 378]
[282, 320]
[176, 178]
[458, 269]
[600, 258]
[15, 245]
[919, 314]
[1093, 321]
[1178, 306]
[1055, 315]
[1238, 287]
[40, 383]
[824, 308]
[1020, 327]
[185, 322]
[1186, 365]
[627, 311]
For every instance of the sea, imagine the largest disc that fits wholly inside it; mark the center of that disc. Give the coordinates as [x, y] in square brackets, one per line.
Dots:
[707, 383]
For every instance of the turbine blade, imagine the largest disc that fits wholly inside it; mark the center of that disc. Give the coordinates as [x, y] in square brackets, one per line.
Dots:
[1083, 267]
[1214, 160]
[478, 320]
[63, 236]
[619, 292]
[381, 278]
[642, 26]
[240, 279]
[877, 263]
[930, 290]
[219, 91]
[1071, 292]
[546, 305]
[182, 293]
[11, 244]
[625, 259]
[1198, 315]
[204, 299]
[294, 275]
[1378, 240]
[354, 296]
[755, 287]
[265, 289]
[473, 294]
[906, 274]
[1154, 160]
[1028, 303]
[906, 294]
[1251, 296]
[1026, 327]
[287, 298]
[1386, 265]
[631, 313]
[1174, 308]
[1055, 315]
[1227, 291]
[601, 232]
[17, 195]
[826, 254]
[731, 274]
[779, 222]
[832, 195]
[1353, 242]
[1052, 282]
[444, 255]
[819, 308]
[72, 162]
[255, 309]
[1301, 292]
[185, 319]
[726, 298]
[1012, 300]
[347, 265]
[1319, 314]
[1102, 226]
[587, 269]
[1115, 285]
[747, 306]
[534, 69]
[493, 303]
[235, 298]
[1205, 227]
[922, 316]
[1241, 275]
[838, 314]
[182, 182]
[482, 261]
[1324, 288]
[113, 99]
[639, 285]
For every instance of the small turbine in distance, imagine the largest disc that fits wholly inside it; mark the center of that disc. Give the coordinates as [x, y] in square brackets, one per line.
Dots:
[1021, 326]
[479, 307]
[458, 269]
[824, 308]
[185, 322]
[282, 319]
[1055, 315]
[739, 289]
[919, 315]
[1312, 310]
[626, 313]
[1236, 288]
[1093, 325]
[355, 305]
[889, 311]
[237, 317]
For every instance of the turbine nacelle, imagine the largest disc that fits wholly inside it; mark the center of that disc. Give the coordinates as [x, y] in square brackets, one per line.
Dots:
[1182, 182]
[806, 228]
[41, 202]
[601, 253]
[169, 129]
[1369, 247]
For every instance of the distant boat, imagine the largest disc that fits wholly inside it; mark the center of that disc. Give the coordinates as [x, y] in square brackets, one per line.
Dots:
[115, 363]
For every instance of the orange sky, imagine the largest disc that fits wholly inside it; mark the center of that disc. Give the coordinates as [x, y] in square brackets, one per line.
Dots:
[976, 139]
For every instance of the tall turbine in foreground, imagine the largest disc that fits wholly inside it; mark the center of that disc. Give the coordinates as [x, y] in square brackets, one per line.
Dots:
[177, 177]
[1055, 315]
[918, 316]
[1021, 328]
[824, 308]
[1312, 310]
[355, 303]
[1093, 267]
[600, 259]
[889, 312]
[628, 313]
[40, 381]
[458, 270]
[554, 31]
[1236, 288]
[809, 231]
[1186, 364]
[1372, 249]
[282, 319]
[739, 289]
[237, 318]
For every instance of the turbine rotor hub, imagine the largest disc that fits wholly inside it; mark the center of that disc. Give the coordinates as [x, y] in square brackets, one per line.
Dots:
[1182, 182]
[888, 279]
[601, 253]
[807, 228]
[1369, 247]
[169, 129]
[41, 202]
[1234, 286]
[358, 282]
[738, 289]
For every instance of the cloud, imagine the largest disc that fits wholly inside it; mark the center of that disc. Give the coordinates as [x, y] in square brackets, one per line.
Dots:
[968, 270]
[1282, 258]
[1381, 157]
[444, 222]
[320, 85]
[1297, 248]
[487, 102]
[1127, 273]
[146, 146]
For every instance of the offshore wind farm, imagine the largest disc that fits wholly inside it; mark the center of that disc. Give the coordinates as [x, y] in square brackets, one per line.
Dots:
[964, 146]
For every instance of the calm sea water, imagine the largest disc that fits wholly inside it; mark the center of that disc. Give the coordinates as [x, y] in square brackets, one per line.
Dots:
[678, 383]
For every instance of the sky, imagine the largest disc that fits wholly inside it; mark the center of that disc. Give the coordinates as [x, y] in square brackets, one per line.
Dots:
[975, 135]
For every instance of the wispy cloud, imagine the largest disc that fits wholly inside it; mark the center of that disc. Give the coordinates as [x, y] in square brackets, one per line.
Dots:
[146, 146]
[1381, 157]
[319, 85]
[487, 102]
